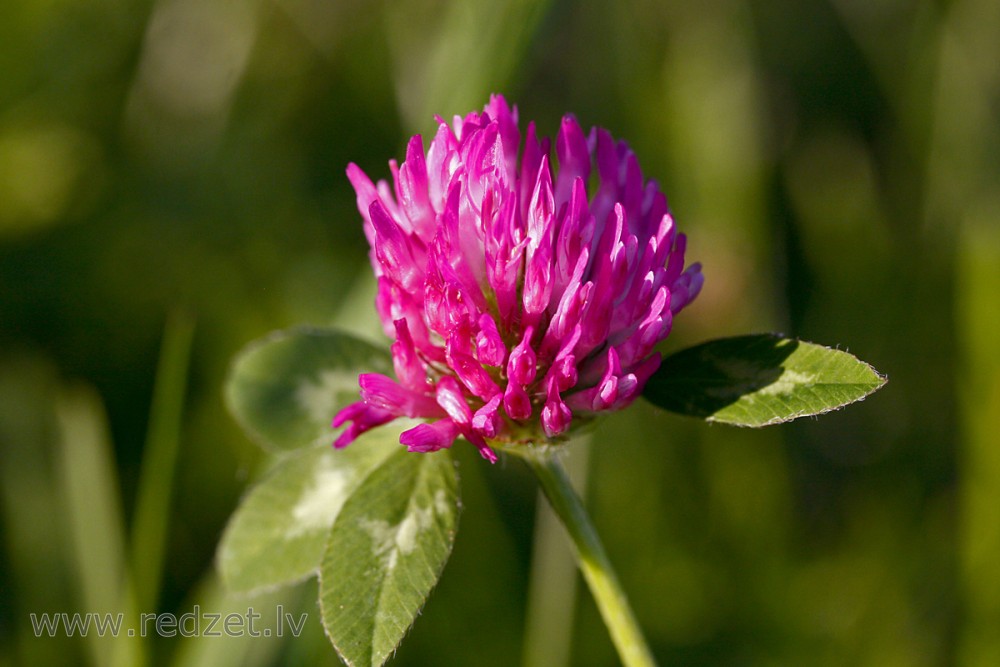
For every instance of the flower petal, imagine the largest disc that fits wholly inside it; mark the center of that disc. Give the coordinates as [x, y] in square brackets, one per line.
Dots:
[383, 392]
[364, 417]
[430, 437]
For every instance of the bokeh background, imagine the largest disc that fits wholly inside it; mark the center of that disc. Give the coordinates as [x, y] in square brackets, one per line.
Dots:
[172, 186]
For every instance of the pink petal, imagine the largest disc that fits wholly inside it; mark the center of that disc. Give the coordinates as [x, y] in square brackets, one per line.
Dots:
[574, 158]
[412, 190]
[430, 437]
[556, 415]
[489, 344]
[385, 393]
[452, 400]
[364, 418]
[522, 365]
[487, 419]
[516, 402]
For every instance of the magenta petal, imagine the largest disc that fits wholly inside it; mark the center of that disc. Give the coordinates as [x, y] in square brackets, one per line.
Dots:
[522, 365]
[430, 437]
[568, 315]
[385, 393]
[631, 198]
[675, 261]
[607, 168]
[489, 344]
[663, 241]
[453, 401]
[505, 250]
[605, 393]
[487, 419]
[366, 194]
[413, 190]
[394, 249]
[516, 402]
[538, 282]
[472, 374]
[574, 158]
[347, 413]
[409, 369]
[484, 449]
[439, 164]
[631, 385]
[574, 239]
[506, 119]
[686, 288]
[538, 262]
[364, 418]
[563, 370]
[531, 161]
[556, 415]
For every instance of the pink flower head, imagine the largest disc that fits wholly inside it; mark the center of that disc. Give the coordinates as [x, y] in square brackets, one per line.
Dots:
[520, 297]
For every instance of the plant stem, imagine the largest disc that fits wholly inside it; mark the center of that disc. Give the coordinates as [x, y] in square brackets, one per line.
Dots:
[552, 583]
[591, 557]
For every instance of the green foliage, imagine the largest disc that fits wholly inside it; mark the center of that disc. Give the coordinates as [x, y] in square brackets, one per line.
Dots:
[278, 534]
[759, 380]
[386, 552]
[285, 389]
[377, 521]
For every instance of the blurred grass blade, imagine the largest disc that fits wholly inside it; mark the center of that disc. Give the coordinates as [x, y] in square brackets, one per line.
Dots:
[759, 380]
[31, 504]
[467, 49]
[979, 387]
[94, 511]
[152, 507]
[218, 648]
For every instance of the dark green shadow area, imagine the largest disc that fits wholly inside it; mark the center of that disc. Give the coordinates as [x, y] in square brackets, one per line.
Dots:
[702, 380]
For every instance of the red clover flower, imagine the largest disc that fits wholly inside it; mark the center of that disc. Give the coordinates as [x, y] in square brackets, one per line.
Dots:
[520, 297]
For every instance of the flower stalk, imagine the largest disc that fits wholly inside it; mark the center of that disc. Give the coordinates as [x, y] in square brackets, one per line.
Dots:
[591, 557]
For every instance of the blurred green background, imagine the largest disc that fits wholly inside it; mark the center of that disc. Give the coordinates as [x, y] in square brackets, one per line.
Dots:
[172, 186]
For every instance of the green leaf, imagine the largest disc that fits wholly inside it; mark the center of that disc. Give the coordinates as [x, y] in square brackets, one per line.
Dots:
[278, 534]
[759, 380]
[285, 388]
[386, 552]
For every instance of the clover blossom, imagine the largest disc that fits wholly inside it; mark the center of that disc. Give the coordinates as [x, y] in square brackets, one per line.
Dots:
[520, 297]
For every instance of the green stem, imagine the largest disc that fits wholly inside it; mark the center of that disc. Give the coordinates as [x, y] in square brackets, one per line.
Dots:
[591, 557]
